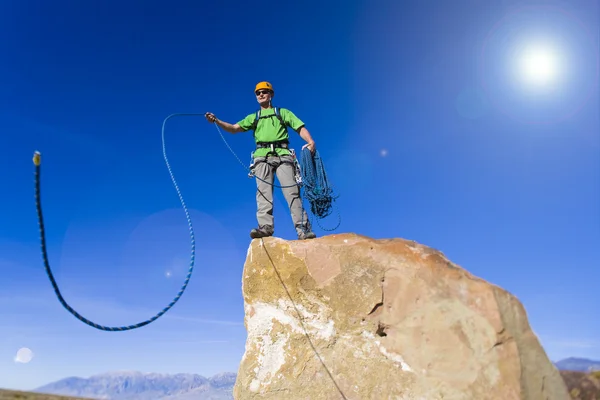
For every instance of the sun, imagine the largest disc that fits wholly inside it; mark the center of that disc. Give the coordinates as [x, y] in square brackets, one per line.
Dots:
[538, 65]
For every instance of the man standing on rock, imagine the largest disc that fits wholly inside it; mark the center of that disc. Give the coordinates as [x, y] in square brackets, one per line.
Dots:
[272, 156]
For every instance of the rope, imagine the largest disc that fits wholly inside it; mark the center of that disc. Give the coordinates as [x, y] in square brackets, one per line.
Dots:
[301, 319]
[313, 175]
[37, 163]
[318, 191]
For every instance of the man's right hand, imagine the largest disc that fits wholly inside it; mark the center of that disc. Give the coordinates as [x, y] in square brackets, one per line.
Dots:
[210, 117]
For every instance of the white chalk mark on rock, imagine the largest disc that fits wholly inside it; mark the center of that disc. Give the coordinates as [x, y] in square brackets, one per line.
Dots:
[271, 347]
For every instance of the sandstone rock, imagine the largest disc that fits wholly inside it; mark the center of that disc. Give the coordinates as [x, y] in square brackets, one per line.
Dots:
[349, 317]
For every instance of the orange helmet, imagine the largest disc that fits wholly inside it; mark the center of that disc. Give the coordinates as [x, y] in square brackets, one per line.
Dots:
[264, 85]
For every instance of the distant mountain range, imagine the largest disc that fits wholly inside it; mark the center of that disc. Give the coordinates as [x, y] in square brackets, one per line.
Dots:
[578, 364]
[133, 385]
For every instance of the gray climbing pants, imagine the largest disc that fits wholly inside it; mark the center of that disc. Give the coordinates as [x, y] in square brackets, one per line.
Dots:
[283, 167]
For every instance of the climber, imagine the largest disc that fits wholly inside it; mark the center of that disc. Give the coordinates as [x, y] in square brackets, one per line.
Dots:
[273, 157]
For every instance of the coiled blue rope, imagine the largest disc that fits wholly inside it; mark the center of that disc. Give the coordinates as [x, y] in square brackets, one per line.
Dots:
[318, 191]
[38, 202]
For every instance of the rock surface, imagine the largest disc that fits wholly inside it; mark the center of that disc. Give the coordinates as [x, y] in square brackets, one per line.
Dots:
[349, 317]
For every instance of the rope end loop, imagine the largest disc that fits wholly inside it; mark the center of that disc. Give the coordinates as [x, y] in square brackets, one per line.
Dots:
[37, 158]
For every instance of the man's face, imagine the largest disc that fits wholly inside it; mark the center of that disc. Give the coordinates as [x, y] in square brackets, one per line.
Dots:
[263, 96]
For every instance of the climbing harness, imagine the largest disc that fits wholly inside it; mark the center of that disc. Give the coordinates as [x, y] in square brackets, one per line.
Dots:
[276, 145]
[37, 162]
[279, 144]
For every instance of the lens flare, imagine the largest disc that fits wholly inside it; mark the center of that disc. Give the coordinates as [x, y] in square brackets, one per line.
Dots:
[24, 355]
[538, 65]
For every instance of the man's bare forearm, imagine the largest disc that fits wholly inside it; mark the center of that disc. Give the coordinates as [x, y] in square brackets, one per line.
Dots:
[305, 134]
[231, 128]
[235, 128]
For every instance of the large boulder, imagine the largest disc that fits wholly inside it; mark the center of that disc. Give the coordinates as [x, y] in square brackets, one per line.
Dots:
[349, 317]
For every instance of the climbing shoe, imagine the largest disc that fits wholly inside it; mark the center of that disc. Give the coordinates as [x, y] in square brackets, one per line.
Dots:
[261, 231]
[306, 235]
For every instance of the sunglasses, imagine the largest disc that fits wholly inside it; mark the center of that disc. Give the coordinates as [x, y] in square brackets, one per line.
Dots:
[259, 92]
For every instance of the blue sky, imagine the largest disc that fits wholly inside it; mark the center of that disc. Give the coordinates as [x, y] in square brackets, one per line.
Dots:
[427, 129]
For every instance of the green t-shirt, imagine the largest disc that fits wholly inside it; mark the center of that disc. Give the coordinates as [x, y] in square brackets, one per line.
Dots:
[270, 129]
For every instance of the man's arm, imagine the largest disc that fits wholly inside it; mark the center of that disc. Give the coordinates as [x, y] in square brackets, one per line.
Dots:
[310, 143]
[297, 125]
[231, 128]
